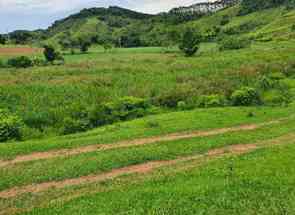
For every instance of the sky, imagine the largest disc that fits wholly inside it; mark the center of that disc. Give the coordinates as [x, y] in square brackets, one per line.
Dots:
[35, 14]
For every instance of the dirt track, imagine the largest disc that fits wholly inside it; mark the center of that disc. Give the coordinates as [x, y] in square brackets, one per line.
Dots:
[145, 167]
[125, 144]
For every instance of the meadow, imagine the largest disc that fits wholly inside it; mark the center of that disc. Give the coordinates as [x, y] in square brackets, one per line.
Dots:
[209, 158]
[45, 97]
[149, 130]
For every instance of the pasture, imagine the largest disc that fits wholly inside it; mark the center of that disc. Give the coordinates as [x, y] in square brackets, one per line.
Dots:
[199, 160]
[45, 96]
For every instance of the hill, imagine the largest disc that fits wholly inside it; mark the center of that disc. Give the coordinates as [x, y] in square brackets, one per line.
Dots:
[126, 28]
[148, 130]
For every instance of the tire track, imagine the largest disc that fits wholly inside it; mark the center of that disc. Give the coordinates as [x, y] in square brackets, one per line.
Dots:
[131, 143]
[144, 168]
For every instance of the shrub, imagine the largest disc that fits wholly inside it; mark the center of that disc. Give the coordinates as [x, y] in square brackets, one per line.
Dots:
[182, 105]
[124, 109]
[10, 126]
[20, 62]
[245, 96]
[275, 97]
[266, 83]
[84, 45]
[71, 126]
[225, 20]
[230, 43]
[152, 124]
[171, 98]
[3, 39]
[212, 101]
[190, 42]
[51, 54]
[39, 62]
[293, 27]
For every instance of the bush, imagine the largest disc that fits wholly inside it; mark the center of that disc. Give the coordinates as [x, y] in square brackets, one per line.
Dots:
[293, 27]
[39, 62]
[182, 105]
[212, 101]
[10, 126]
[231, 43]
[245, 96]
[275, 97]
[225, 20]
[51, 54]
[190, 42]
[266, 83]
[172, 98]
[124, 109]
[71, 126]
[20, 62]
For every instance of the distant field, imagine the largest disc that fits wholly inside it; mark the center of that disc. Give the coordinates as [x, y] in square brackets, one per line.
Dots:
[16, 51]
[45, 96]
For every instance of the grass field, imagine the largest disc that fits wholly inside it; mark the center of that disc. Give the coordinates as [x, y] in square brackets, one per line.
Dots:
[149, 131]
[184, 174]
[45, 96]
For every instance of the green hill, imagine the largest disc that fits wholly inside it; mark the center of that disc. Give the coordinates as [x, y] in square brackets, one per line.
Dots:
[126, 28]
[130, 29]
[148, 130]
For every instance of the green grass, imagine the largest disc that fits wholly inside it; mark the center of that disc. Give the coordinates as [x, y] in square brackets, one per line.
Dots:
[45, 96]
[98, 162]
[261, 183]
[200, 119]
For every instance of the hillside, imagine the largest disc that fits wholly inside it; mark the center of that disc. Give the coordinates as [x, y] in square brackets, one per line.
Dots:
[135, 126]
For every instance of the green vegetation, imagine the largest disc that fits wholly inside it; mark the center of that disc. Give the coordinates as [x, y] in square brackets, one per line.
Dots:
[10, 126]
[20, 62]
[235, 185]
[200, 106]
[231, 43]
[190, 42]
[3, 40]
[48, 97]
[249, 6]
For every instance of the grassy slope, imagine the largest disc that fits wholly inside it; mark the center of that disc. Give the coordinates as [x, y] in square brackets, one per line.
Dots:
[275, 23]
[200, 119]
[209, 182]
[261, 183]
[53, 91]
[102, 161]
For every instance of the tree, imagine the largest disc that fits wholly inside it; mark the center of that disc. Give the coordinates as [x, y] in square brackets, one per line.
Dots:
[107, 46]
[248, 6]
[64, 41]
[51, 54]
[21, 37]
[84, 44]
[190, 42]
[2, 39]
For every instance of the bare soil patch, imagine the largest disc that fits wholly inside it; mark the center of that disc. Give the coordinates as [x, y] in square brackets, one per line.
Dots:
[11, 51]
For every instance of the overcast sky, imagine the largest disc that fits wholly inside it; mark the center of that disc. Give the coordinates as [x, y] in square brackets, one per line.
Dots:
[33, 14]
